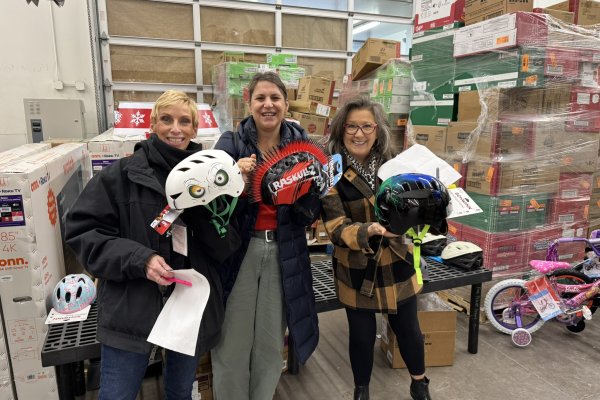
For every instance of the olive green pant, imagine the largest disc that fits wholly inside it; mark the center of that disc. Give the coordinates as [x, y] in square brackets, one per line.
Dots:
[247, 361]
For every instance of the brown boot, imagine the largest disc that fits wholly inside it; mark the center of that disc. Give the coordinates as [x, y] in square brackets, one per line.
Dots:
[361, 392]
[419, 390]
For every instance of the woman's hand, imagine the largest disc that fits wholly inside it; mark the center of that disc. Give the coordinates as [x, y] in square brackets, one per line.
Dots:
[247, 165]
[378, 229]
[157, 270]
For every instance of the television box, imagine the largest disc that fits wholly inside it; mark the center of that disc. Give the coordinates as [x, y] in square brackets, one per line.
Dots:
[373, 53]
[106, 148]
[439, 333]
[36, 194]
[19, 152]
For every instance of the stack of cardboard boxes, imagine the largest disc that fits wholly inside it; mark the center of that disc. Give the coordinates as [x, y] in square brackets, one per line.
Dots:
[232, 76]
[312, 106]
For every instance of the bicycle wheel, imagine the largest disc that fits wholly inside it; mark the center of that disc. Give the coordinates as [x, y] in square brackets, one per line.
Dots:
[572, 277]
[502, 303]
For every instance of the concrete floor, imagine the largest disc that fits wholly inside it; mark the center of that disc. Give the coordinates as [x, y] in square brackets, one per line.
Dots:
[557, 365]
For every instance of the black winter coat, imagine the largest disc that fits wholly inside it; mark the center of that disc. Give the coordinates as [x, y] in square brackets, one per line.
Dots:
[109, 229]
[294, 259]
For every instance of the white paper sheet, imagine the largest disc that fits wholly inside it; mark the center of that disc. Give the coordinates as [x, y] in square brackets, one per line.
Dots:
[462, 204]
[179, 321]
[419, 159]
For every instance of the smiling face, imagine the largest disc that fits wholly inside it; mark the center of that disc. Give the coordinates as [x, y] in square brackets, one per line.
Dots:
[174, 125]
[268, 107]
[359, 145]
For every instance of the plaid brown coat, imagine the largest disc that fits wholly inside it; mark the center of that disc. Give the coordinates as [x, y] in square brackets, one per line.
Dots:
[372, 274]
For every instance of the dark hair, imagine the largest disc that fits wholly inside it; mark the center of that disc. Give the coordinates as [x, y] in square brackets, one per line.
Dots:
[269, 77]
[383, 145]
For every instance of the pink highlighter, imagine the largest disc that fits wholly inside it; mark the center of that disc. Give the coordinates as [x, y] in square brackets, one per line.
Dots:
[186, 283]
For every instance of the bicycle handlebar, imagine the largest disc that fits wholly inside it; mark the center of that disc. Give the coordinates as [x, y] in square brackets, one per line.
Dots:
[552, 253]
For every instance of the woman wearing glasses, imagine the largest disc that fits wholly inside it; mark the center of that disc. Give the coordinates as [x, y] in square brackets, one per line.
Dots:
[361, 133]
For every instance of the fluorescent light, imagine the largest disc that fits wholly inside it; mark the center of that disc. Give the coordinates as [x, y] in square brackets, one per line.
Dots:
[365, 27]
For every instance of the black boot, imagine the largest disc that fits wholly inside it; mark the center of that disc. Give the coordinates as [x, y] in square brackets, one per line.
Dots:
[419, 390]
[361, 392]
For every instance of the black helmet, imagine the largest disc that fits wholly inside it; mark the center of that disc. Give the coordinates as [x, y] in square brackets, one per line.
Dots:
[465, 255]
[432, 245]
[409, 200]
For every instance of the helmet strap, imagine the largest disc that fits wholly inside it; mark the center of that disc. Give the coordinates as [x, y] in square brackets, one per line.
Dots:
[417, 239]
[220, 219]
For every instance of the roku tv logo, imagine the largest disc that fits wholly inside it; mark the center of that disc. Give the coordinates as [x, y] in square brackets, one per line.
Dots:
[40, 182]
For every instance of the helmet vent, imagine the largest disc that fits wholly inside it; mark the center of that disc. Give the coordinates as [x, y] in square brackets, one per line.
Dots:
[197, 161]
[420, 185]
[183, 169]
[406, 187]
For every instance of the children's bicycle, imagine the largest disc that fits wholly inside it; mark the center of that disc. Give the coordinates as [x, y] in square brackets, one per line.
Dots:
[558, 291]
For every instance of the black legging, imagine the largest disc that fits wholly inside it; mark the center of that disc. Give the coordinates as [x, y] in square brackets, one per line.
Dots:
[363, 328]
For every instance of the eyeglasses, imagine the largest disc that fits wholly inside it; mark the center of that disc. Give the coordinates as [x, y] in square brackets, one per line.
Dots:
[366, 129]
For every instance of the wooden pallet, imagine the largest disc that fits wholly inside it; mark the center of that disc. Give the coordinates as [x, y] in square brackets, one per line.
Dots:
[459, 300]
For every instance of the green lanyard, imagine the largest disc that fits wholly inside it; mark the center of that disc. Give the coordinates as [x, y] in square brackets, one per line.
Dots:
[417, 239]
[220, 220]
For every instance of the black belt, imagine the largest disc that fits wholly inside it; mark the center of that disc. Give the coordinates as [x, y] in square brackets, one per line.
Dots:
[269, 236]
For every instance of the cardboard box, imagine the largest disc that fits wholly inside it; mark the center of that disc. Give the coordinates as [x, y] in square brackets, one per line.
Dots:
[20, 152]
[586, 12]
[503, 253]
[433, 14]
[557, 99]
[279, 59]
[106, 148]
[584, 110]
[568, 211]
[6, 384]
[315, 88]
[518, 177]
[477, 10]
[439, 332]
[565, 16]
[432, 137]
[433, 110]
[433, 61]
[36, 193]
[373, 53]
[504, 32]
[320, 233]
[578, 152]
[314, 124]
[518, 67]
[574, 185]
[313, 107]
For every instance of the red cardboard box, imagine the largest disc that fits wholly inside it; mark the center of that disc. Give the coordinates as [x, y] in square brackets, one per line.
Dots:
[569, 211]
[432, 14]
[572, 185]
[585, 109]
[502, 252]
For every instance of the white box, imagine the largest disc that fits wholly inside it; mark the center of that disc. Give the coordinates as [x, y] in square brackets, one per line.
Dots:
[35, 195]
[22, 151]
[107, 147]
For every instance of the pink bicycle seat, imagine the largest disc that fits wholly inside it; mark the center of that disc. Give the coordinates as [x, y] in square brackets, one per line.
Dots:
[548, 266]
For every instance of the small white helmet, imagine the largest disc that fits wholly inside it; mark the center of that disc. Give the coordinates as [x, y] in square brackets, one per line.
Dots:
[465, 255]
[202, 177]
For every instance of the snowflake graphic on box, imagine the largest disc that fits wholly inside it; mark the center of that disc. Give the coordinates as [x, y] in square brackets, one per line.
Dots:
[137, 118]
[118, 116]
[207, 118]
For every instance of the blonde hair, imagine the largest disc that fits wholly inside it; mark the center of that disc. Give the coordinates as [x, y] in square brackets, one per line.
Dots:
[173, 97]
